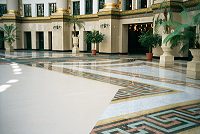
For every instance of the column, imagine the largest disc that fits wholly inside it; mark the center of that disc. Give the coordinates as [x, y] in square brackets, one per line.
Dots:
[33, 39]
[123, 3]
[152, 2]
[148, 3]
[12, 6]
[61, 6]
[82, 7]
[137, 4]
[46, 40]
[95, 6]
[134, 2]
[111, 4]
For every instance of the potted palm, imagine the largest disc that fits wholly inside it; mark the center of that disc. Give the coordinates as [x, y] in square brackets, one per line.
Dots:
[75, 39]
[183, 35]
[150, 40]
[165, 19]
[94, 37]
[9, 36]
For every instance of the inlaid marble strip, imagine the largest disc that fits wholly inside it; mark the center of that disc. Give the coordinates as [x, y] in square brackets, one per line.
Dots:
[165, 120]
[133, 90]
[177, 82]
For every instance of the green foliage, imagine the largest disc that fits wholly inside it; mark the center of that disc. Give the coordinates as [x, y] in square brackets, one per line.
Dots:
[75, 22]
[9, 33]
[150, 40]
[182, 34]
[94, 37]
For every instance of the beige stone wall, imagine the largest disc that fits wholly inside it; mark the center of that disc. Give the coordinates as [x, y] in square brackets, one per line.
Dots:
[33, 28]
[88, 26]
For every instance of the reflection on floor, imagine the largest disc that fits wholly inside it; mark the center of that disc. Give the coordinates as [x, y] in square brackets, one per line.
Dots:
[152, 100]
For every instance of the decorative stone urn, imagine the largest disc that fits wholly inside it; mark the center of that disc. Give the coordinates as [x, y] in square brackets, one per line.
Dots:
[9, 48]
[193, 67]
[166, 59]
[75, 48]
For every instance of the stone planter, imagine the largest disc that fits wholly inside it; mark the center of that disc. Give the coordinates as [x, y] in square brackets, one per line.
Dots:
[193, 67]
[75, 48]
[166, 59]
[9, 48]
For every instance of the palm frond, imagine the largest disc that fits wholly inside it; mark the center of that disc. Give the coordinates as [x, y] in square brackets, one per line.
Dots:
[9, 33]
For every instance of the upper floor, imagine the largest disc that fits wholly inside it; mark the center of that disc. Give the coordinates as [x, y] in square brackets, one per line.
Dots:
[41, 8]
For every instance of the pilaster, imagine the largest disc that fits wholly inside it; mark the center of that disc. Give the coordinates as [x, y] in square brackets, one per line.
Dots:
[109, 25]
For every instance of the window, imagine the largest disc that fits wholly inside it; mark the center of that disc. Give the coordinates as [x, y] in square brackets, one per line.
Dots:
[89, 6]
[101, 4]
[52, 8]
[27, 10]
[76, 8]
[3, 9]
[128, 4]
[40, 10]
[143, 3]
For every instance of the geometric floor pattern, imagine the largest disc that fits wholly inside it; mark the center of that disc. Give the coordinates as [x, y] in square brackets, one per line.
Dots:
[143, 83]
[162, 122]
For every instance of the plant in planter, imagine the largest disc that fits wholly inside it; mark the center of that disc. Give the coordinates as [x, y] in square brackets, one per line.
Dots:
[189, 39]
[182, 33]
[75, 22]
[9, 36]
[165, 20]
[150, 40]
[94, 37]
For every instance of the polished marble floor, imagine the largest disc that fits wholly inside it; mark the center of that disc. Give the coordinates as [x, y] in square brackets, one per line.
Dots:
[147, 98]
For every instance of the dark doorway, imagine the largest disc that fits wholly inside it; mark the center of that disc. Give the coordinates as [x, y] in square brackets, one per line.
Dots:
[134, 31]
[143, 3]
[27, 40]
[40, 40]
[1, 40]
[191, 40]
[89, 45]
[50, 40]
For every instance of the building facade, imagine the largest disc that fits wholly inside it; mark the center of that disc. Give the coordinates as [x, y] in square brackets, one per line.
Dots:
[42, 24]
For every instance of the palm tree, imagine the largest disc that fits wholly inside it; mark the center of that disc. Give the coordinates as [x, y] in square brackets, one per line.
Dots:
[182, 33]
[9, 34]
[75, 22]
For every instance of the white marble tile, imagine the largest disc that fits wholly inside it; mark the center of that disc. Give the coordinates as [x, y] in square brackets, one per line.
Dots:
[128, 107]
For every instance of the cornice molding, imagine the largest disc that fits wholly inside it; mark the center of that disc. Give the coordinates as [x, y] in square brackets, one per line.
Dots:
[137, 11]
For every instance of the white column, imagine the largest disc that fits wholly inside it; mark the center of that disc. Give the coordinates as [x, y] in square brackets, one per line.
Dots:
[12, 6]
[33, 39]
[110, 4]
[46, 40]
[61, 6]
[95, 6]
[46, 9]
[82, 7]
[123, 2]
[134, 4]
[148, 3]
[152, 2]
[137, 4]
[33, 10]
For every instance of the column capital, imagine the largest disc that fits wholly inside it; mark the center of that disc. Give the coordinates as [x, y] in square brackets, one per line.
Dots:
[61, 7]
[111, 5]
[12, 8]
